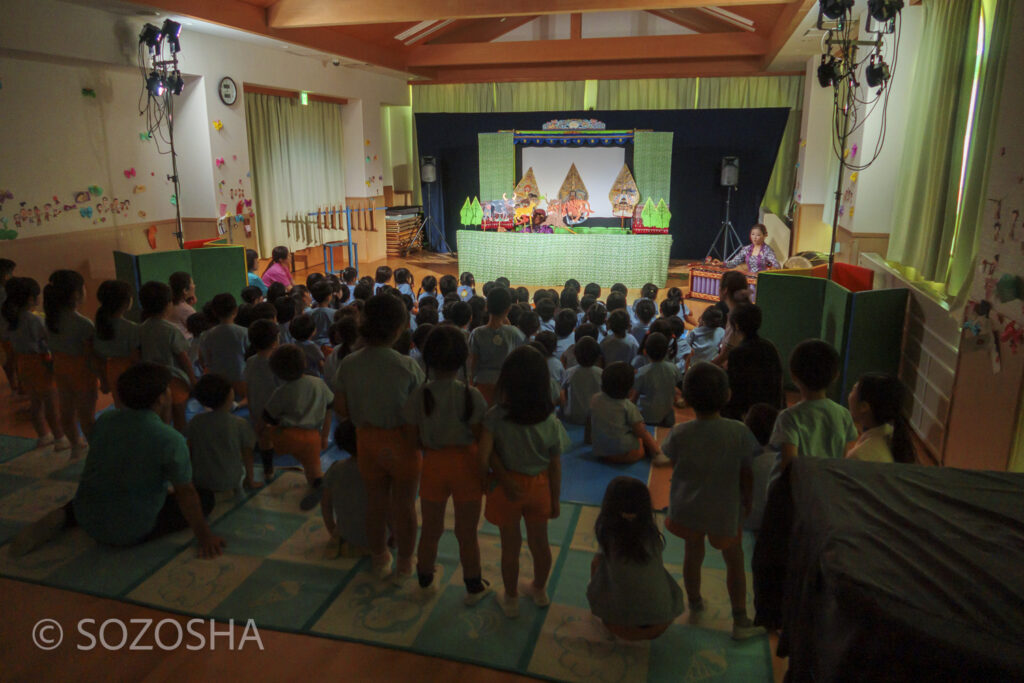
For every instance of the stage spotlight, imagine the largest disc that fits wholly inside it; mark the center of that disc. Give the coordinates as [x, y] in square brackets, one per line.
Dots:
[151, 36]
[830, 71]
[175, 83]
[877, 72]
[155, 84]
[171, 31]
[834, 9]
[884, 10]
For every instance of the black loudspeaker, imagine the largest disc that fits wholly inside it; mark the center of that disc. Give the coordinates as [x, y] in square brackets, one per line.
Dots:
[730, 171]
[428, 169]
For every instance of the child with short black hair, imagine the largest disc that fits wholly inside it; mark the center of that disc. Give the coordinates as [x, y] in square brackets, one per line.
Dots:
[286, 311]
[460, 314]
[342, 336]
[404, 281]
[197, 324]
[263, 311]
[546, 313]
[597, 315]
[323, 312]
[252, 295]
[302, 329]
[655, 387]
[117, 338]
[569, 355]
[644, 311]
[523, 442]
[582, 381]
[223, 348]
[297, 417]
[220, 443]
[592, 289]
[619, 346]
[349, 278]
[447, 415]
[630, 591]
[427, 315]
[362, 292]
[503, 282]
[529, 323]
[711, 489]
[703, 341]
[549, 342]
[817, 426]
[617, 428]
[565, 323]
[162, 342]
[260, 383]
[276, 290]
[381, 277]
[419, 338]
[615, 302]
[490, 344]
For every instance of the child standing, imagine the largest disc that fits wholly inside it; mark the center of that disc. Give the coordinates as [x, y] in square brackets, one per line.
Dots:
[617, 427]
[70, 340]
[220, 443]
[630, 590]
[27, 335]
[223, 347]
[117, 339]
[183, 296]
[817, 426]
[619, 345]
[582, 381]
[447, 415]
[299, 417]
[711, 489]
[343, 507]
[162, 343]
[655, 388]
[876, 405]
[260, 383]
[372, 386]
[523, 442]
[302, 329]
[490, 344]
[323, 312]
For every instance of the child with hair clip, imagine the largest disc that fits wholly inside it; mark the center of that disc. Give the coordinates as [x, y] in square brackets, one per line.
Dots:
[323, 312]
[404, 281]
[447, 415]
[301, 330]
[711, 490]
[490, 344]
[220, 444]
[684, 313]
[372, 386]
[630, 590]
[26, 333]
[162, 343]
[297, 417]
[381, 277]
[70, 339]
[617, 428]
[619, 345]
[223, 348]
[876, 405]
[117, 339]
[654, 390]
[428, 288]
[252, 277]
[523, 441]
[183, 297]
[467, 286]
[278, 269]
[260, 383]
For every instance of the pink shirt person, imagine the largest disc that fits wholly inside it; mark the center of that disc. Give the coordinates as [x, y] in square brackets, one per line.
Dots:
[278, 271]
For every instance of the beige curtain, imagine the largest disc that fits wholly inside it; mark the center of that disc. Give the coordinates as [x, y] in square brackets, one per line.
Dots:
[295, 155]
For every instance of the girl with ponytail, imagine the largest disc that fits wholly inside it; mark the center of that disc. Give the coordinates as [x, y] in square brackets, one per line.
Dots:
[117, 339]
[876, 404]
[448, 414]
[71, 341]
[27, 336]
[277, 270]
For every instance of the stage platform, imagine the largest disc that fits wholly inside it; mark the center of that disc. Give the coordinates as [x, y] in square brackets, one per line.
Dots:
[550, 260]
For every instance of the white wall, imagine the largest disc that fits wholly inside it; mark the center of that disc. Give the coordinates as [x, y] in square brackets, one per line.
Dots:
[815, 138]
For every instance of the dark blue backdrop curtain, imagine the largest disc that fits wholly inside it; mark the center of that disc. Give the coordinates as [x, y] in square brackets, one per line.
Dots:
[701, 138]
[433, 206]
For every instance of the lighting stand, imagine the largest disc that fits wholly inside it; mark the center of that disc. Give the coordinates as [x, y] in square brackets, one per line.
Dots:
[169, 104]
[726, 233]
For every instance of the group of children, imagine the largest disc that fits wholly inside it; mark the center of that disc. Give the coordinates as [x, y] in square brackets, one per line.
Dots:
[437, 393]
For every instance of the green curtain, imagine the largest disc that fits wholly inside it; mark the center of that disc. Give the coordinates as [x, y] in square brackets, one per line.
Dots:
[453, 98]
[540, 96]
[649, 93]
[295, 154]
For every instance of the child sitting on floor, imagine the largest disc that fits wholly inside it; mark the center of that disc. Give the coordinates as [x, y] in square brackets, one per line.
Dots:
[644, 311]
[323, 312]
[703, 341]
[122, 499]
[343, 507]
[447, 415]
[616, 426]
[711, 491]
[582, 382]
[220, 443]
[619, 345]
[297, 417]
[655, 387]
[381, 278]
[260, 382]
[630, 591]
[302, 329]
[404, 281]
[523, 442]
[222, 348]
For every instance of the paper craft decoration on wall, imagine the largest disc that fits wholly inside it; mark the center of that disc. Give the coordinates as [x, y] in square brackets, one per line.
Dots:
[217, 125]
[129, 173]
[151, 236]
[145, 136]
[219, 161]
[624, 195]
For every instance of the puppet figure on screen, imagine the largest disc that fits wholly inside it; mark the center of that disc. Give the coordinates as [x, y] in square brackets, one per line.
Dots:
[624, 195]
[526, 197]
[573, 203]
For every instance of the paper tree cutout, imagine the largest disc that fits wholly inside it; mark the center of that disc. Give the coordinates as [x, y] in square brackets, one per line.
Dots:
[624, 194]
[478, 212]
[648, 215]
[663, 215]
[466, 213]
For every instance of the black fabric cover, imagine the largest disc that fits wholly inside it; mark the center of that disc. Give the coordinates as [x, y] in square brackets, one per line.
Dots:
[894, 572]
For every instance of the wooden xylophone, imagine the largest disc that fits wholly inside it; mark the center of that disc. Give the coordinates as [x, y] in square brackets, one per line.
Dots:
[705, 281]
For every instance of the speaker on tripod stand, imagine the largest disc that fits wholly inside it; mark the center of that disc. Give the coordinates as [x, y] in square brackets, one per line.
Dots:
[726, 241]
[429, 230]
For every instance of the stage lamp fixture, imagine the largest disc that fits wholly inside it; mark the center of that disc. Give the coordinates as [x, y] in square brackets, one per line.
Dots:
[151, 36]
[175, 83]
[884, 10]
[834, 9]
[171, 31]
[830, 71]
[155, 84]
[877, 72]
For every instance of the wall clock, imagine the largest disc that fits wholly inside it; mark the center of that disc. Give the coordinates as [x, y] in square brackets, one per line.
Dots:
[227, 90]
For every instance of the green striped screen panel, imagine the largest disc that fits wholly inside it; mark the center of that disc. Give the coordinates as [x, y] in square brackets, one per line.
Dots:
[497, 165]
[652, 164]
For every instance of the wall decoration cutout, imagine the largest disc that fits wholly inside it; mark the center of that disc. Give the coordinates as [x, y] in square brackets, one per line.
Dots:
[129, 173]
[145, 136]
[151, 236]
[138, 188]
[96, 190]
[88, 92]
[219, 161]
[218, 125]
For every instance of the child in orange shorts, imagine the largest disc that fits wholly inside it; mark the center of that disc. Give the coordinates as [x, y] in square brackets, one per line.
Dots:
[371, 388]
[447, 414]
[161, 342]
[70, 339]
[27, 336]
[523, 441]
[297, 417]
[117, 339]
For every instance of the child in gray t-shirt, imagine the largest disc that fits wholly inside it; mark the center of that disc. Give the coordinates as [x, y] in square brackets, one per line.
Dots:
[617, 428]
[344, 507]
[220, 443]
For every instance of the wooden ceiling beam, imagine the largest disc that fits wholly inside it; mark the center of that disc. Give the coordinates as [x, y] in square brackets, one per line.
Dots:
[576, 26]
[788, 21]
[695, 20]
[480, 30]
[694, 46]
[303, 13]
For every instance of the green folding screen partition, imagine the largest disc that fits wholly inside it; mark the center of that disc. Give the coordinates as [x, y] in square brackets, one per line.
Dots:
[215, 269]
[865, 327]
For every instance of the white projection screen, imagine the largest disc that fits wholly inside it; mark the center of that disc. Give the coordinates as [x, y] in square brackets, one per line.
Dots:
[598, 167]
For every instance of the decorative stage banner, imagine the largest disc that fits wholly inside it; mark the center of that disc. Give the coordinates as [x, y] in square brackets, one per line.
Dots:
[652, 165]
[497, 165]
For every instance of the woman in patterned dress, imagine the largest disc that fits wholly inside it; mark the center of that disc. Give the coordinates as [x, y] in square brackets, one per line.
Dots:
[757, 255]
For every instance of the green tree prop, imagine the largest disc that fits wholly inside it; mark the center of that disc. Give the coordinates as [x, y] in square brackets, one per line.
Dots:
[664, 216]
[648, 214]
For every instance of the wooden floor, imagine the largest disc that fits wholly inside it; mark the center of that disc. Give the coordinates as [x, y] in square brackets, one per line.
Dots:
[285, 656]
